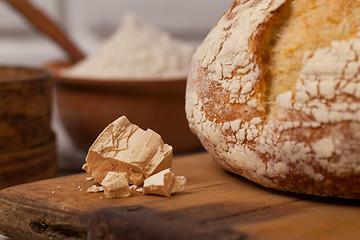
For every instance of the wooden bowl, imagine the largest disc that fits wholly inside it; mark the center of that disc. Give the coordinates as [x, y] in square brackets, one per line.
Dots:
[25, 108]
[87, 106]
[28, 165]
[27, 144]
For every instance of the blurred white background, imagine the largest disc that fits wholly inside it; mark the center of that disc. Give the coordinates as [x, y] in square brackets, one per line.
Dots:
[88, 23]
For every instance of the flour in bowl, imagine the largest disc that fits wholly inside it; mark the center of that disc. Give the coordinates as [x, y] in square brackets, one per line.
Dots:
[136, 50]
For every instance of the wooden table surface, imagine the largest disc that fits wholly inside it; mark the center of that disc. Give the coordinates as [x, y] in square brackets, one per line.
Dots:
[215, 205]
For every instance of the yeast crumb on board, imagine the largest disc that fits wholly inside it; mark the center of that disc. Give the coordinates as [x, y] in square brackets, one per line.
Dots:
[164, 183]
[125, 156]
[115, 185]
[95, 189]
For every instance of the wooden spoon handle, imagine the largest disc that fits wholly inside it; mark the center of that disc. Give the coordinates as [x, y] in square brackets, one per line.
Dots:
[47, 26]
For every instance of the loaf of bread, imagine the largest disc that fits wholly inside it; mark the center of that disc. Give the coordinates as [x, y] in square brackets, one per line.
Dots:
[274, 94]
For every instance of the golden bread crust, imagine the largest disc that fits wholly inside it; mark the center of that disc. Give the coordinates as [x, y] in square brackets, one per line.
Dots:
[292, 130]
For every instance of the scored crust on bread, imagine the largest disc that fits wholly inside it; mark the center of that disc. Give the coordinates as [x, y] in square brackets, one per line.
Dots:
[273, 94]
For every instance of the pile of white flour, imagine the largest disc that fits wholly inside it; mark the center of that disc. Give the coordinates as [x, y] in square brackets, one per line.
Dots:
[136, 50]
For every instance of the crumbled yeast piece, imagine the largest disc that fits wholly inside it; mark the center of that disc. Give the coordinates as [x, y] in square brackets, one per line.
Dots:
[124, 147]
[95, 189]
[115, 185]
[164, 183]
[179, 184]
[133, 188]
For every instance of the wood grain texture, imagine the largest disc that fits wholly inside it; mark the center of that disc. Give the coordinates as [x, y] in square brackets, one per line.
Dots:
[28, 165]
[25, 108]
[215, 205]
[27, 143]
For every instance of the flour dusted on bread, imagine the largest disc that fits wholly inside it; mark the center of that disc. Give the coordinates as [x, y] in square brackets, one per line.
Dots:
[136, 50]
[274, 94]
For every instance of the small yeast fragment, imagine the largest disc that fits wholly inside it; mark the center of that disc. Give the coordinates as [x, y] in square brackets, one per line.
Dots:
[164, 183]
[115, 185]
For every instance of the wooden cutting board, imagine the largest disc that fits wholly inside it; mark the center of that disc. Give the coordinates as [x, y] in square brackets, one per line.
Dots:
[215, 205]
